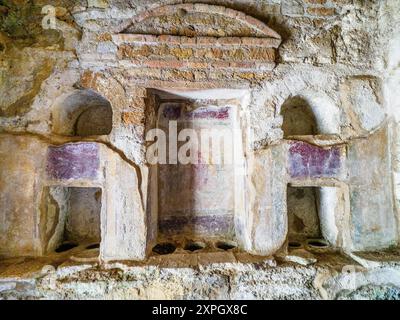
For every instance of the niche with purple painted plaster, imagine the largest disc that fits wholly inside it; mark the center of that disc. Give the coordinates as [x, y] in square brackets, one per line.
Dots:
[312, 207]
[196, 200]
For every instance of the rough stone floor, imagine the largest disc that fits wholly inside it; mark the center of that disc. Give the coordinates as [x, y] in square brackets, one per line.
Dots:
[299, 274]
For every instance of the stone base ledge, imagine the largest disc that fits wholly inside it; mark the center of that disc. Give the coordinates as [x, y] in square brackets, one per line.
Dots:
[215, 276]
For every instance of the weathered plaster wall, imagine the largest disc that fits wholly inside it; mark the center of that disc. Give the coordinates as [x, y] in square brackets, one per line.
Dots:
[20, 169]
[331, 56]
[374, 223]
[390, 25]
[340, 58]
[266, 227]
[124, 231]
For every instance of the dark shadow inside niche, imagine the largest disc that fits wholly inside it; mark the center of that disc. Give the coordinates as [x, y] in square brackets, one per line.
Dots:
[193, 246]
[95, 121]
[66, 246]
[226, 245]
[93, 246]
[83, 113]
[298, 118]
[164, 248]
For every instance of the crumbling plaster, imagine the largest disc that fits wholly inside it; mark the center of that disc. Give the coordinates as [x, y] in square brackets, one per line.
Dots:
[332, 59]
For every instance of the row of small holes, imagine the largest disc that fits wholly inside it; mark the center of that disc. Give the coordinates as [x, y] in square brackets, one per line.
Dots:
[312, 243]
[168, 248]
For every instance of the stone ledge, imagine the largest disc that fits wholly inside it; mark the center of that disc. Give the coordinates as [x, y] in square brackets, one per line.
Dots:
[234, 277]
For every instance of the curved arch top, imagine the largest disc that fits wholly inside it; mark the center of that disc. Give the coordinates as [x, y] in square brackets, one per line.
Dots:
[327, 114]
[82, 113]
[198, 43]
[247, 23]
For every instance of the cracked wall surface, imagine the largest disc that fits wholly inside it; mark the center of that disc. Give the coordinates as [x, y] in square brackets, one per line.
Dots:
[77, 102]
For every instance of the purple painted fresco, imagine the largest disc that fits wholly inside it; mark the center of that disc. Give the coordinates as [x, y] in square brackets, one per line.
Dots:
[73, 161]
[209, 113]
[201, 225]
[308, 161]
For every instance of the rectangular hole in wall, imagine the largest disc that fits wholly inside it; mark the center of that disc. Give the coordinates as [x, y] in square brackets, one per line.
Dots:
[196, 202]
[303, 214]
[71, 218]
[311, 215]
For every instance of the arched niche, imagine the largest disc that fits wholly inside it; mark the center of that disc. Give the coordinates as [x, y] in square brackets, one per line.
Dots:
[298, 118]
[310, 113]
[82, 113]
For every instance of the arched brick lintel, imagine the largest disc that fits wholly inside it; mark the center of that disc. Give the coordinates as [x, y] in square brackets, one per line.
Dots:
[247, 20]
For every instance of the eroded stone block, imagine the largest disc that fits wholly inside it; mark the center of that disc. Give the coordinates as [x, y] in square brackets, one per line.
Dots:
[371, 195]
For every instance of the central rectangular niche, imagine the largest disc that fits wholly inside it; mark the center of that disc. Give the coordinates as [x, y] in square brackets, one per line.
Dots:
[197, 201]
[72, 217]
